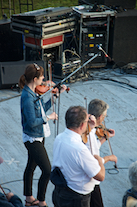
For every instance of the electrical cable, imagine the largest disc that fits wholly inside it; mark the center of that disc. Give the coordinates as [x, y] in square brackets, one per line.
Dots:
[115, 171]
[122, 86]
[71, 51]
[13, 181]
[103, 76]
[107, 169]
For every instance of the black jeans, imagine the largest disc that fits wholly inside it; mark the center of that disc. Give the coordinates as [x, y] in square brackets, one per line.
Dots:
[63, 197]
[37, 156]
[96, 198]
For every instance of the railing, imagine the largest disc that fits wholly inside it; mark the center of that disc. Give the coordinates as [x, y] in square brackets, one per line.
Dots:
[8, 8]
[26, 4]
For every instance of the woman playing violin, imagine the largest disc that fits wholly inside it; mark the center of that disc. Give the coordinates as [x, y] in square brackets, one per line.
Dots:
[98, 111]
[35, 129]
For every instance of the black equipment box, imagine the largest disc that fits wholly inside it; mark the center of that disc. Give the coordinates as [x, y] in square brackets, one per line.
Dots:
[10, 72]
[124, 48]
[11, 43]
[44, 28]
[46, 15]
[93, 29]
[62, 70]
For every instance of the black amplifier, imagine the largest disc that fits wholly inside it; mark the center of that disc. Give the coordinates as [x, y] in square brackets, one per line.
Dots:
[62, 70]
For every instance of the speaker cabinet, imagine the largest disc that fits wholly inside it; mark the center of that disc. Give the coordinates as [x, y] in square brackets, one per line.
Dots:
[10, 72]
[126, 4]
[57, 69]
[124, 47]
[11, 43]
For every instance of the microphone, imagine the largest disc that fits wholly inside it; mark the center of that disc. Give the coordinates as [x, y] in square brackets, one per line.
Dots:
[1, 160]
[106, 55]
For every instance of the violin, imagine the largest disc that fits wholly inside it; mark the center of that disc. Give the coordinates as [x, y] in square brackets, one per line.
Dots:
[102, 131]
[41, 89]
[85, 134]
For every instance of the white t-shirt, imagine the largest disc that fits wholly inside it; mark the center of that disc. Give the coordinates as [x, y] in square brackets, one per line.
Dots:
[75, 161]
[93, 144]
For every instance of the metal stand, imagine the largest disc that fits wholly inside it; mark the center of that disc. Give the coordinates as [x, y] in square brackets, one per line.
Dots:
[59, 86]
[62, 81]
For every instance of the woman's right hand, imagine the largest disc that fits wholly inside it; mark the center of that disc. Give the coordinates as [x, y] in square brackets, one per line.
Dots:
[53, 116]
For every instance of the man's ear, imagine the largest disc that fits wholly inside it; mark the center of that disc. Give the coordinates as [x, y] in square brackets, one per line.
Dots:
[81, 126]
[99, 119]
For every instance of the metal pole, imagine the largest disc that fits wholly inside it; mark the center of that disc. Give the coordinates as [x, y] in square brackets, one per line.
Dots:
[10, 8]
[80, 68]
[108, 25]
[80, 34]
[13, 7]
[58, 85]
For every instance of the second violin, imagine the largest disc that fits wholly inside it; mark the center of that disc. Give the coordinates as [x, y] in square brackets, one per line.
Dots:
[102, 131]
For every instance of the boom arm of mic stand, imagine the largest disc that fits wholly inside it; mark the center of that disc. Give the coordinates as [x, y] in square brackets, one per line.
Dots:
[58, 84]
[80, 67]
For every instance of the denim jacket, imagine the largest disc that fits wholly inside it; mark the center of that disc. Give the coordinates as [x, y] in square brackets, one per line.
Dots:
[32, 121]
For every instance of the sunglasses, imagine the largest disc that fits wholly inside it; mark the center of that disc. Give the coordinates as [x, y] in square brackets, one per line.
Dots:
[36, 66]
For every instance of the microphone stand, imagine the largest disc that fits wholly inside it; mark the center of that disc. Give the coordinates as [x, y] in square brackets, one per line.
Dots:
[62, 81]
[58, 85]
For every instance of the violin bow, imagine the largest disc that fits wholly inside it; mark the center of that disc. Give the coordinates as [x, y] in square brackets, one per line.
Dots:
[87, 126]
[2, 190]
[59, 88]
[110, 148]
[52, 99]
[50, 78]
[58, 109]
[86, 106]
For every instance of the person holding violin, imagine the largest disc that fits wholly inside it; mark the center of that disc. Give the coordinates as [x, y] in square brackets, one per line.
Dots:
[73, 160]
[35, 129]
[98, 109]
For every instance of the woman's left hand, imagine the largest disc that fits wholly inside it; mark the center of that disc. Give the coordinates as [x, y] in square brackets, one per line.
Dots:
[53, 116]
[63, 88]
